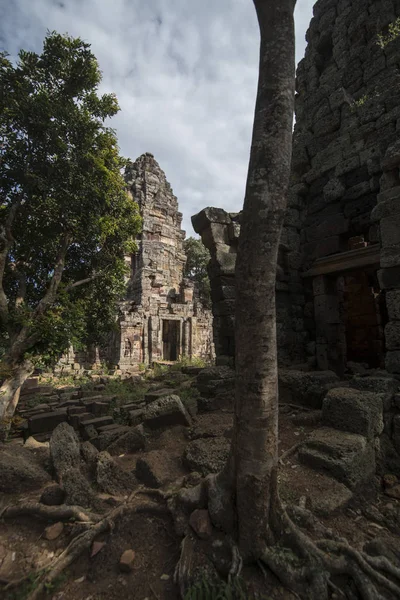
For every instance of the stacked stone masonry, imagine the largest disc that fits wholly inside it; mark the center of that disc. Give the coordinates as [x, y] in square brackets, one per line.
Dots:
[338, 281]
[161, 318]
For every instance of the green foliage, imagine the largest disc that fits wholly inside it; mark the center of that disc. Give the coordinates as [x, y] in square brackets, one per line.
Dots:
[61, 173]
[196, 267]
[393, 33]
[204, 589]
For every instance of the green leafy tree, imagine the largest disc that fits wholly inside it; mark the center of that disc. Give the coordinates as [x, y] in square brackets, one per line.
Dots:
[196, 267]
[66, 220]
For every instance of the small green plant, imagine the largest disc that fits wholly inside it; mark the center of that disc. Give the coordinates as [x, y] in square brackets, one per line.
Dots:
[393, 33]
[205, 589]
[142, 367]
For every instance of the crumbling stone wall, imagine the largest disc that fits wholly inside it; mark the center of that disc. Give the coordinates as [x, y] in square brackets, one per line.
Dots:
[347, 116]
[343, 168]
[219, 232]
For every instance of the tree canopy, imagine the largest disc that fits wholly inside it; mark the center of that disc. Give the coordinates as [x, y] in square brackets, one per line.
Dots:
[196, 267]
[66, 220]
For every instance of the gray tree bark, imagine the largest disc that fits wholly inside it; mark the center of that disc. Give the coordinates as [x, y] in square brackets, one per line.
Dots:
[254, 453]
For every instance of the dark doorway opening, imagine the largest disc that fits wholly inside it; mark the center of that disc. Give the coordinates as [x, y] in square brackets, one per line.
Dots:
[170, 338]
[363, 317]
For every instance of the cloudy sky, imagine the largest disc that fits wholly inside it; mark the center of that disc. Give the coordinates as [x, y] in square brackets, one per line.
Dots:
[185, 75]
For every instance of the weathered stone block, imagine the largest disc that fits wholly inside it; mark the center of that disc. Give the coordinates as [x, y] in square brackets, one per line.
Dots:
[390, 229]
[384, 386]
[307, 388]
[165, 412]
[348, 457]
[389, 279]
[392, 335]
[393, 303]
[354, 411]
[390, 256]
[396, 432]
[47, 421]
[392, 361]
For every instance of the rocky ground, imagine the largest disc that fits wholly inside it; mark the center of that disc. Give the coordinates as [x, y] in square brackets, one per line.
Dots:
[100, 443]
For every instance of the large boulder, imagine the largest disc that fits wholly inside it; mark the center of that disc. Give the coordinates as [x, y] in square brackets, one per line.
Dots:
[165, 412]
[110, 478]
[20, 470]
[355, 411]
[206, 455]
[348, 457]
[64, 449]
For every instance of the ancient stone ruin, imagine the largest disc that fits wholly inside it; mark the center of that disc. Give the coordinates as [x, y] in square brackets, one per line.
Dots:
[161, 318]
[338, 280]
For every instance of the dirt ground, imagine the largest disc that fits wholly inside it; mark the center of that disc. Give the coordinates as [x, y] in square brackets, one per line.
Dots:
[23, 549]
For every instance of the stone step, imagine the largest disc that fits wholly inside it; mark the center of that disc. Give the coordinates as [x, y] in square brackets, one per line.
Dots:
[46, 421]
[348, 457]
[111, 427]
[355, 411]
[96, 422]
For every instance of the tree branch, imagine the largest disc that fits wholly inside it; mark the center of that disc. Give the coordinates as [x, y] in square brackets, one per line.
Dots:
[50, 295]
[6, 240]
[70, 286]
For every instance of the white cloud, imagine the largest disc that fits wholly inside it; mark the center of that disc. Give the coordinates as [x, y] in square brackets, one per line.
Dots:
[185, 75]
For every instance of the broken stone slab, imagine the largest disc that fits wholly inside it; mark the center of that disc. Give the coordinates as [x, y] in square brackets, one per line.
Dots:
[47, 421]
[111, 478]
[353, 410]
[156, 468]
[20, 470]
[136, 416]
[89, 454]
[131, 441]
[306, 388]
[348, 457]
[108, 437]
[333, 497]
[156, 394]
[77, 488]
[96, 422]
[206, 455]
[165, 412]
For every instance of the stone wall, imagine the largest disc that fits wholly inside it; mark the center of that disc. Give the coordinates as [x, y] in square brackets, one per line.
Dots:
[219, 232]
[162, 318]
[339, 263]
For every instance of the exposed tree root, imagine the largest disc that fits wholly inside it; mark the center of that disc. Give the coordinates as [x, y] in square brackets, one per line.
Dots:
[306, 566]
[94, 526]
[290, 451]
[49, 513]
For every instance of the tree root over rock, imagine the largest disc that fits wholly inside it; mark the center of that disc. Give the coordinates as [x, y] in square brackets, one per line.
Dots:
[311, 567]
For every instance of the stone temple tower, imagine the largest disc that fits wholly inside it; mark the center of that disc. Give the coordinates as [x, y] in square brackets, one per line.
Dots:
[161, 319]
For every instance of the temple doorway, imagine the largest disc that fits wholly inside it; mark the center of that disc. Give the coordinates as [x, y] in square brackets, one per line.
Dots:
[170, 339]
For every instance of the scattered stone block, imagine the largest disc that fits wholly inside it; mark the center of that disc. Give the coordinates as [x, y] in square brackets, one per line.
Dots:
[206, 455]
[96, 422]
[52, 532]
[306, 388]
[126, 561]
[348, 457]
[136, 416]
[131, 441]
[200, 522]
[52, 495]
[156, 468]
[110, 478]
[156, 394]
[106, 438]
[166, 412]
[47, 421]
[353, 410]
[64, 449]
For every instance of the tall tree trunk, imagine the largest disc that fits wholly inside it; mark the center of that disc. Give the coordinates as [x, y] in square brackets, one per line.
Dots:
[254, 446]
[10, 391]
